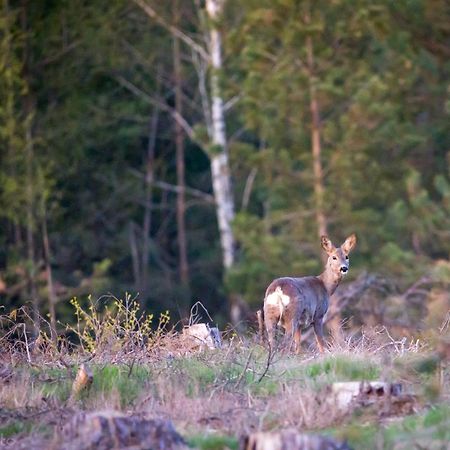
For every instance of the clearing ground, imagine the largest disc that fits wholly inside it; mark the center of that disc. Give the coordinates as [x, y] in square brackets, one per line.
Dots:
[215, 396]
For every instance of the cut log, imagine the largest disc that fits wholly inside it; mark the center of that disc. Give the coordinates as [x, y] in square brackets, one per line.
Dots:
[203, 335]
[347, 392]
[387, 398]
[290, 440]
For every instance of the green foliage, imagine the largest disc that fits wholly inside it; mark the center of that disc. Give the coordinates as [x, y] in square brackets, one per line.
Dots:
[343, 369]
[14, 427]
[380, 73]
[213, 442]
[128, 383]
[200, 375]
[112, 323]
[427, 429]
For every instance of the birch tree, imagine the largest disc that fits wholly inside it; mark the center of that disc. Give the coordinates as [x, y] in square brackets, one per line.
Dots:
[208, 62]
[220, 168]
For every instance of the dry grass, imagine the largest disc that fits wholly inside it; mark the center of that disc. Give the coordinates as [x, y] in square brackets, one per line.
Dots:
[212, 396]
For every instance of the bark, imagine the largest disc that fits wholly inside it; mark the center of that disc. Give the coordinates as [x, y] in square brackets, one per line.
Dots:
[30, 194]
[30, 227]
[149, 177]
[179, 143]
[319, 190]
[134, 255]
[220, 170]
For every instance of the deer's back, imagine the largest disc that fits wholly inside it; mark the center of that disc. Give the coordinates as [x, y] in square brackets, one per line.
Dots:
[302, 300]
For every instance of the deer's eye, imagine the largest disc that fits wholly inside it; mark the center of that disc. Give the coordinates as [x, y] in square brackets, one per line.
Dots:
[346, 257]
[334, 257]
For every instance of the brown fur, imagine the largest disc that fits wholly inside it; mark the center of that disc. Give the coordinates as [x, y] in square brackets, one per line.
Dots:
[296, 303]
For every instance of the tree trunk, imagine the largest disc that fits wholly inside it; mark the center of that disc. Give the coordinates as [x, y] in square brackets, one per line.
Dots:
[49, 274]
[179, 142]
[147, 224]
[30, 225]
[220, 170]
[134, 255]
[319, 189]
[29, 152]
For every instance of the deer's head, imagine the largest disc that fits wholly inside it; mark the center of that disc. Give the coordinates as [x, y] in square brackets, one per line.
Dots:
[338, 261]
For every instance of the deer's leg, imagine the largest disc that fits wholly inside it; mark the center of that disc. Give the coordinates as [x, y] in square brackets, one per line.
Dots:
[289, 335]
[318, 331]
[297, 339]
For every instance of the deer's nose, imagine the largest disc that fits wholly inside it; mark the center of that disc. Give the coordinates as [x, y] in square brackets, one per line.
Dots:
[344, 269]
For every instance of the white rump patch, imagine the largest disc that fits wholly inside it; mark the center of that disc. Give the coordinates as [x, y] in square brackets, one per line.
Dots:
[285, 299]
[277, 297]
[272, 299]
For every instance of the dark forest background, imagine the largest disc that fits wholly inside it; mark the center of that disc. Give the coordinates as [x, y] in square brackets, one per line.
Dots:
[336, 121]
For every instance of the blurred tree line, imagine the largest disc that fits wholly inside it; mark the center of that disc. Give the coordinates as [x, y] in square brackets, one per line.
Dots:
[194, 150]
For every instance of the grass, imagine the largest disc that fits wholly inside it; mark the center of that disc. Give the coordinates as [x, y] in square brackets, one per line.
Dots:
[14, 427]
[418, 431]
[213, 442]
[233, 393]
[334, 368]
[127, 382]
[214, 397]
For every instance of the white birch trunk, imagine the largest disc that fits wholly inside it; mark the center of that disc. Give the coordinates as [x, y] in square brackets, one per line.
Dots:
[220, 170]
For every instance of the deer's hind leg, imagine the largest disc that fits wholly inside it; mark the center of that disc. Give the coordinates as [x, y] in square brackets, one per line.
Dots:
[270, 323]
[318, 331]
[289, 335]
[297, 339]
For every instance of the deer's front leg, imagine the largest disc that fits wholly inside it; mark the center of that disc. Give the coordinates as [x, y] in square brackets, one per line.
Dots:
[318, 331]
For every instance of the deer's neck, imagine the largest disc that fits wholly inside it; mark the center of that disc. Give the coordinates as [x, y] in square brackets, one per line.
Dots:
[330, 280]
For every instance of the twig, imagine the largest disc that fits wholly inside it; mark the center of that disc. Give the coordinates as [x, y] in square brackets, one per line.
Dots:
[173, 30]
[241, 376]
[131, 367]
[155, 102]
[194, 312]
[26, 343]
[445, 323]
[248, 187]
[270, 356]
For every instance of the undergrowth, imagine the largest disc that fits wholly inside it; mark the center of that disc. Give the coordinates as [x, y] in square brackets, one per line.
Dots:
[214, 395]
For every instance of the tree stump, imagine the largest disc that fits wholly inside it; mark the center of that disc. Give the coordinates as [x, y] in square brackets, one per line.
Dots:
[113, 430]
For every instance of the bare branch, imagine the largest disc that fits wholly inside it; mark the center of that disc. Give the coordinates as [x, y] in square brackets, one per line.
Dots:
[173, 30]
[175, 188]
[201, 68]
[248, 187]
[230, 103]
[158, 103]
[56, 56]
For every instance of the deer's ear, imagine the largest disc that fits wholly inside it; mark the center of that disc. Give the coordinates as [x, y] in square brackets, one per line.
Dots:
[327, 245]
[349, 243]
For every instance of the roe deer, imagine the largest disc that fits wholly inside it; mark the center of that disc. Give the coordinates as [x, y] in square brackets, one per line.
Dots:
[294, 303]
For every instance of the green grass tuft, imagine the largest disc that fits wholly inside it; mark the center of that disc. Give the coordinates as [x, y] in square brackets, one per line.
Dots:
[13, 428]
[117, 378]
[213, 442]
[341, 368]
[427, 430]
